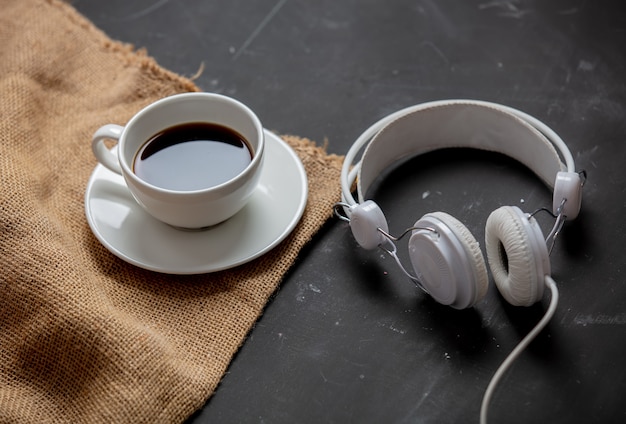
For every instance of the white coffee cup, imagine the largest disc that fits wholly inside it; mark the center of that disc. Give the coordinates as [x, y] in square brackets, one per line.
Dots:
[193, 209]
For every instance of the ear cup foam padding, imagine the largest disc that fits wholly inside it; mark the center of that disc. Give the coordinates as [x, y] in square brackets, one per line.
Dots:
[472, 247]
[517, 255]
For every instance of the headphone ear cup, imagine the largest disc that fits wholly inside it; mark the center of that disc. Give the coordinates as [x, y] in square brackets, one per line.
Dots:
[517, 255]
[451, 265]
[472, 248]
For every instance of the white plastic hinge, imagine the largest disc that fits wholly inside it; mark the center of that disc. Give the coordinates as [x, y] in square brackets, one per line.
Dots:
[365, 220]
[568, 186]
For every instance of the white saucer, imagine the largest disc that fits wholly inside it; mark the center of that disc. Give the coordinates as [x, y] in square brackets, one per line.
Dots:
[130, 233]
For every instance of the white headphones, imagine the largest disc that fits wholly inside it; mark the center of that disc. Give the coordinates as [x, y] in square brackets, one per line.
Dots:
[444, 254]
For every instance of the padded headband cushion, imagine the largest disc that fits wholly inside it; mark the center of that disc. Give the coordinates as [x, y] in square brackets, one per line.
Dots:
[458, 124]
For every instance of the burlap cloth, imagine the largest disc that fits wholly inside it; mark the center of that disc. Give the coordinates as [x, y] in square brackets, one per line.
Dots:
[84, 336]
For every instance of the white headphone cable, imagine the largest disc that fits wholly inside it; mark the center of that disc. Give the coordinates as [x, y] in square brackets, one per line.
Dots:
[515, 353]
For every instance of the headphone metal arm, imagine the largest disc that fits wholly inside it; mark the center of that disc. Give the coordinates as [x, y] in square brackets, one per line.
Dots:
[560, 219]
[558, 226]
[392, 252]
[389, 240]
[405, 232]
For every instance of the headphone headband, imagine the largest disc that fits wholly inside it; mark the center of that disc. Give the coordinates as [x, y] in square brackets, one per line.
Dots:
[466, 124]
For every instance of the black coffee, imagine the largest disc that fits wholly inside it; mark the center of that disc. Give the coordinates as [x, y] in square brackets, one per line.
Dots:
[192, 156]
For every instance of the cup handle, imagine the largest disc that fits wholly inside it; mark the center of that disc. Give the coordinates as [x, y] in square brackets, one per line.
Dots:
[100, 150]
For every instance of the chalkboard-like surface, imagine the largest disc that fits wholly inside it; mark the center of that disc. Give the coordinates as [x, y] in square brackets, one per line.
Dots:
[347, 338]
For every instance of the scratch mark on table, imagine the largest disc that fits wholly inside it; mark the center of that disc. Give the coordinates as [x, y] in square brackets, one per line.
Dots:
[425, 395]
[327, 381]
[145, 11]
[601, 319]
[438, 51]
[585, 65]
[259, 28]
[392, 327]
[509, 7]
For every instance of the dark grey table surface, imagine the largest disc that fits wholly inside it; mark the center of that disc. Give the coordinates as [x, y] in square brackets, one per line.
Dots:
[347, 338]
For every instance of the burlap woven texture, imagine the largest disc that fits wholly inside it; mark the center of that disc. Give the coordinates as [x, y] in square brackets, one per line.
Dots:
[84, 336]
